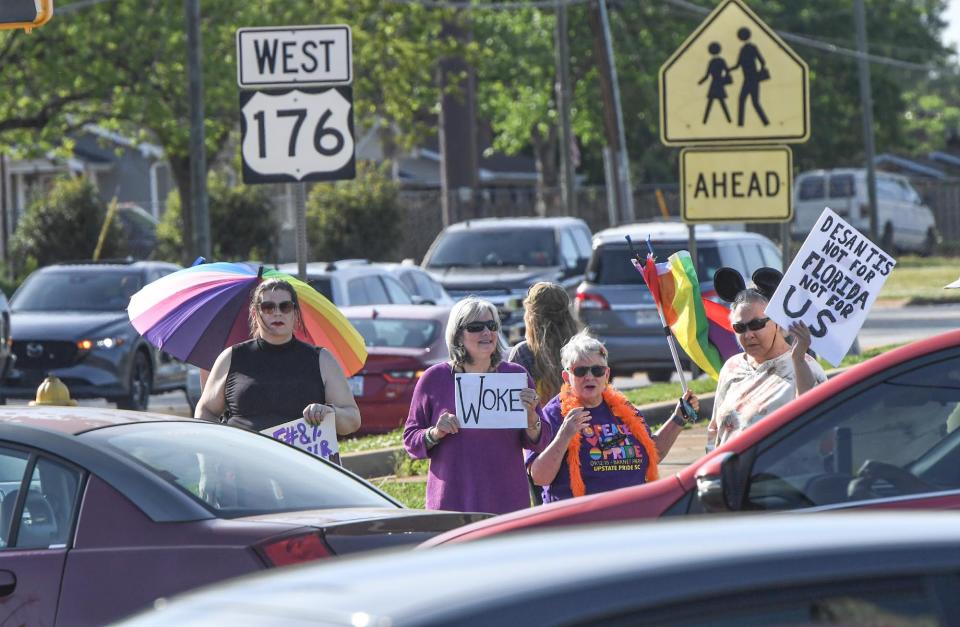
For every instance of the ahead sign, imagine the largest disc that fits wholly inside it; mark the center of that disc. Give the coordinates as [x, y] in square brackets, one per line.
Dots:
[294, 55]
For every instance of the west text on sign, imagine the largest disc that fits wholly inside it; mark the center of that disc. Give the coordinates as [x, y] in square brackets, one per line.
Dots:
[308, 55]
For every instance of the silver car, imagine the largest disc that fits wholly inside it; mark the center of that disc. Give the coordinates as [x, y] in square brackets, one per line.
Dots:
[615, 304]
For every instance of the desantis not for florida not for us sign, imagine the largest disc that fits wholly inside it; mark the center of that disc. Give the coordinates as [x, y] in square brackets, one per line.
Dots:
[831, 285]
[490, 401]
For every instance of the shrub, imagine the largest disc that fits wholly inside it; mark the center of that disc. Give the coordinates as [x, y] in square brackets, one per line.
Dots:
[65, 225]
[358, 218]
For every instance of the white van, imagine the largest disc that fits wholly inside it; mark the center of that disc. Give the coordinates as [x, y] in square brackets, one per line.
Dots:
[904, 222]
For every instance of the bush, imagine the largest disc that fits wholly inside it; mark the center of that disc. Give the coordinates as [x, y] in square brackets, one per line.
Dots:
[242, 224]
[358, 218]
[64, 226]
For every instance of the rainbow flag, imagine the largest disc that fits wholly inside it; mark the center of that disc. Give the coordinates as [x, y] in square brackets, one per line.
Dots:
[700, 326]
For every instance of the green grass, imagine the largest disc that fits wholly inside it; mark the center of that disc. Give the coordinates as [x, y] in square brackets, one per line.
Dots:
[410, 493]
[372, 442]
[660, 392]
[919, 280]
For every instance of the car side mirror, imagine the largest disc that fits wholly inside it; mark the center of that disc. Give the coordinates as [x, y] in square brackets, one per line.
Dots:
[417, 299]
[717, 486]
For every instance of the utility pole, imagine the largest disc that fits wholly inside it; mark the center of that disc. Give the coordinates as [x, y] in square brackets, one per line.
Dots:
[198, 158]
[561, 48]
[866, 110]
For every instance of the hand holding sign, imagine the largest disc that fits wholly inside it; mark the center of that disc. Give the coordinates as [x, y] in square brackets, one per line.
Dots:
[315, 413]
[447, 425]
[493, 400]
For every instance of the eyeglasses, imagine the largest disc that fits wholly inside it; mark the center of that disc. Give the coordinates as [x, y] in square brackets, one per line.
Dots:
[754, 325]
[581, 371]
[268, 307]
[478, 327]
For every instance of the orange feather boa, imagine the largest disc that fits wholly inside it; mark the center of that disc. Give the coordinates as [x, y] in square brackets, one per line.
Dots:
[624, 411]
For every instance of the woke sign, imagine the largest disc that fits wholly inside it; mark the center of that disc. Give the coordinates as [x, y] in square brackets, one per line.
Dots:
[320, 440]
[831, 285]
[490, 401]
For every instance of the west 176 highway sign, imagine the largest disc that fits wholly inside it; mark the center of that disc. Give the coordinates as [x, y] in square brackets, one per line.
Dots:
[294, 55]
[296, 135]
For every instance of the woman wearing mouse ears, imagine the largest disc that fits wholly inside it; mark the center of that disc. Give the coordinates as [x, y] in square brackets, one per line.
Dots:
[770, 371]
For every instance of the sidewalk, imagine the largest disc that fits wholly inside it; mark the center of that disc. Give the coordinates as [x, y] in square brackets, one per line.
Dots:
[688, 448]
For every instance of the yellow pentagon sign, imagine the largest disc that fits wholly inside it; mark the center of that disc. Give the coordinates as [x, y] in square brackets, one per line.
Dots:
[748, 184]
[734, 80]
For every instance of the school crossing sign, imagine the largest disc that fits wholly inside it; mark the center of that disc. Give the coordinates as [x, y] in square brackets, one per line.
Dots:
[731, 93]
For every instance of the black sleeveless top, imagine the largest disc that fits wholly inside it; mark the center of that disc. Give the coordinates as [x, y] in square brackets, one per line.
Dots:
[271, 384]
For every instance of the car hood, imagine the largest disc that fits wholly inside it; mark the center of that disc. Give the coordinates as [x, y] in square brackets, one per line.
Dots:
[65, 325]
[493, 278]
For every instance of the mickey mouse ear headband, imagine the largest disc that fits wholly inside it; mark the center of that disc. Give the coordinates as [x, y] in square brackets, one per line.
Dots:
[728, 282]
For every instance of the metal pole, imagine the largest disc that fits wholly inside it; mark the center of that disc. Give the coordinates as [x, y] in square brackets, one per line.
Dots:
[198, 157]
[785, 251]
[866, 110]
[623, 160]
[562, 52]
[300, 200]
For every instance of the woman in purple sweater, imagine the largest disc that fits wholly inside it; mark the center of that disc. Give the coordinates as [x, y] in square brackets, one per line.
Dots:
[472, 470]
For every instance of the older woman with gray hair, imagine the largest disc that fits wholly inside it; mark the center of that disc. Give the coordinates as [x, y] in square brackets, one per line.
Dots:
[602, 441]
[472, 470]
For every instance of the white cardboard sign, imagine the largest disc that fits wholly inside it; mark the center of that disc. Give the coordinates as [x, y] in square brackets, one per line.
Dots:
[490, 401]
[831, 285]
[320, 440]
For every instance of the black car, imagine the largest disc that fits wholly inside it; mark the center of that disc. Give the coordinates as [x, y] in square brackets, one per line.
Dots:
[499, 258]
[70, 320]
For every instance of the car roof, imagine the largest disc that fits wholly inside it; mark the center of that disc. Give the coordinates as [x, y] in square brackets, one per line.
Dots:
[413, 312]
[111, 265]
[638, 232]
[73, 420]
[327, 268]
[672, 561]
[514, 223]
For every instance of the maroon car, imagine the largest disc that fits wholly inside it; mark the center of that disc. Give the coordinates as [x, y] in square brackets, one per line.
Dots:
[402, 341]
[103, 511]
[884, 434]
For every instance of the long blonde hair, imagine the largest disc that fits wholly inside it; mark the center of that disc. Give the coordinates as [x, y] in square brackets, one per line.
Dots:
[549, 326]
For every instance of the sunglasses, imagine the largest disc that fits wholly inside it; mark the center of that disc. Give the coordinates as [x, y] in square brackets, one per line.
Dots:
[754, 325]
[478, 327]
[581, 371]
[268, 307]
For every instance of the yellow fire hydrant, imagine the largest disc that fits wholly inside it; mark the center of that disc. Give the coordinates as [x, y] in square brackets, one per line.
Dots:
[53, 391]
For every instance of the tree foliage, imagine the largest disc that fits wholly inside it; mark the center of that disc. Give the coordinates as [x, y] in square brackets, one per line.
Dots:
[359, 215]
[65, 225]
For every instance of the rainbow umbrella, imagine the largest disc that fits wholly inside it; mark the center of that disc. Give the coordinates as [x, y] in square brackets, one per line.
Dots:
[195, 313]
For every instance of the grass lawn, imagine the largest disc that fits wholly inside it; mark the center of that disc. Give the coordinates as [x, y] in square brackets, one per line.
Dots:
[410, 493]
[920, 280]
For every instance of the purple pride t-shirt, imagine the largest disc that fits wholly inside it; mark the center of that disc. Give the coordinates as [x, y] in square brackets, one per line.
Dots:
[474, 470]
[610, 457]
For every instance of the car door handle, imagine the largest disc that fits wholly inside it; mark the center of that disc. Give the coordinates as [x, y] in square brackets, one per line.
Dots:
[8, 581]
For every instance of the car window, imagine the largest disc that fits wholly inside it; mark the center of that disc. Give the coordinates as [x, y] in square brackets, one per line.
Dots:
[732, 256]
[841, 186]
[888, 189]
[397, 333]
[408, 282]
[882, 601]
[581, 237]
[753, 256]
[771, 256]
[811, 188]
[13, 465]
[495, 247]
[233, 472]
[899, 436]
[65, 290]
[323, 286]
[610, 265]
[398, 294]
[425, 287]
[48, 512]
[568, 250]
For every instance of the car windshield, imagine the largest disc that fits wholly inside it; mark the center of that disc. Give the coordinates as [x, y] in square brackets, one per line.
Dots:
[87, 290]
[234, 472]
[397, 333]
[611, 264]
[497, 247]
[322, 286]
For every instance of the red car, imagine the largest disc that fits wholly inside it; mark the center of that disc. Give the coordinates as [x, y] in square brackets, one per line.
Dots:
[883, 434]
[402, 341]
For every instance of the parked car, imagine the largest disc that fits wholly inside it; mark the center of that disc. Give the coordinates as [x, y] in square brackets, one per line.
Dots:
[402, 341]
[904, 222]
[865, 569]
[104, 511]
[423, 288]
[615, 304]
[70, 320]
[353, 282]
[7, 358]
[881, 435]
[499, 258]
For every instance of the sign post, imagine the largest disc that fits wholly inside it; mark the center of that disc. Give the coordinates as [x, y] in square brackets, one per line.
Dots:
[296, 108]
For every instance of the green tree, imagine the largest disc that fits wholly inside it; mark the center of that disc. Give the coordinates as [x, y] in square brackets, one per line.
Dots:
[358, 218]
[65, 225]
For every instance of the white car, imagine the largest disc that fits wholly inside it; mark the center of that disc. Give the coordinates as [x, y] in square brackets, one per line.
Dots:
[904, 222]
[353, 282]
